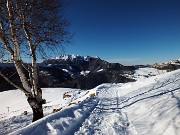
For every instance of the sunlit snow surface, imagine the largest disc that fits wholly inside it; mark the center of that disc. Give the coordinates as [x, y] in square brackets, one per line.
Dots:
[149, 106]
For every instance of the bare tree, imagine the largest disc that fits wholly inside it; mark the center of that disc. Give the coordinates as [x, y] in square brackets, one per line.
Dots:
[28, 28]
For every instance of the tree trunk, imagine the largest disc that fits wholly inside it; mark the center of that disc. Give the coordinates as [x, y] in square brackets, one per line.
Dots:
[37, 113]
[36, 108]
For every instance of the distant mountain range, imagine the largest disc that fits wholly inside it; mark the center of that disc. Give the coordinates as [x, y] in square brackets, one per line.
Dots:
[169, 66]
[74, 71]
[84, 72]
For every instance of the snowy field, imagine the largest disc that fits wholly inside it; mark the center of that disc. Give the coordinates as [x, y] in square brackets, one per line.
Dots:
[149, 106]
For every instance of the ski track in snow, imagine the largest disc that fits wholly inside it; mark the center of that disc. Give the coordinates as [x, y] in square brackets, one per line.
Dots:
[106, 118]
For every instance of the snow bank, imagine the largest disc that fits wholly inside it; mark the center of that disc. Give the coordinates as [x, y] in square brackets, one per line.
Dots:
[154, 108]
[65, 122]
[14, 103]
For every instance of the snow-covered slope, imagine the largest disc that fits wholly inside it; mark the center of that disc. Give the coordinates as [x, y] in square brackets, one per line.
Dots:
[149, 106]
[146, 72]
[14, 104]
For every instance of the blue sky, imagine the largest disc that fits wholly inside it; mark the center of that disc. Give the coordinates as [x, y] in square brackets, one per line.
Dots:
[125, 31]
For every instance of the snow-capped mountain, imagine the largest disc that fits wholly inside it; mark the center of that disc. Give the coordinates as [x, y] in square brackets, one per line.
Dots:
[73, 58]
[87, 72]
[83, 63]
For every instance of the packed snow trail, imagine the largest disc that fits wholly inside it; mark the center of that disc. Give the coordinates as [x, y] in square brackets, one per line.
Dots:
[106, 118]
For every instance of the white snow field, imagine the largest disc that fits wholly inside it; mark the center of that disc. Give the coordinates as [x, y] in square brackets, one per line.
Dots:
[149, 106]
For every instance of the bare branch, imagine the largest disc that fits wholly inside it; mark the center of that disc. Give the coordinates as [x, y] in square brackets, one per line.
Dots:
[4, 39]
[13, 84]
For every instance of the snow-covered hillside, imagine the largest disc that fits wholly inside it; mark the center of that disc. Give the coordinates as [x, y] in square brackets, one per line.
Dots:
[169, 66]
[149, 106]
[142, 73]
[177, 62]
